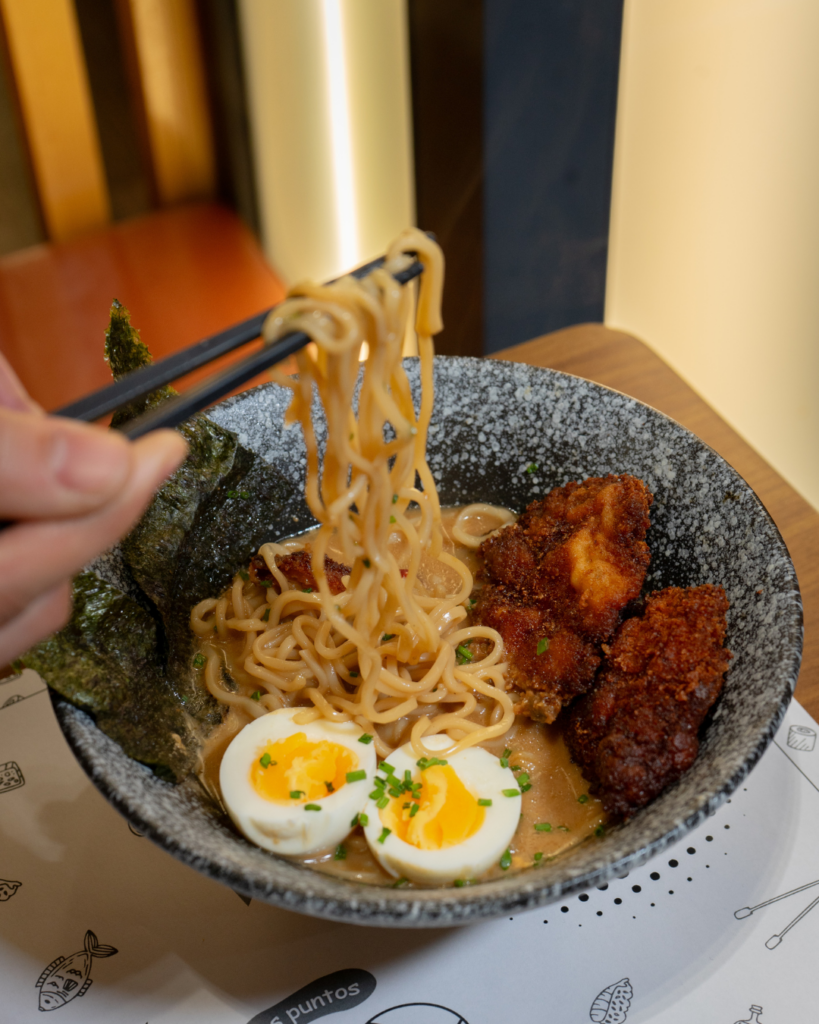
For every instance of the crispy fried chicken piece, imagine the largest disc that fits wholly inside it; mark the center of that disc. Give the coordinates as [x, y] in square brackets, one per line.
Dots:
[636, 731]
[563, 574]
[298, 568]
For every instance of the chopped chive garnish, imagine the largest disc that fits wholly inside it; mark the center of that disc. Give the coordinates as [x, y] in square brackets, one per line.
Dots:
[430, 762]
[531, 468]
[600, 830]
[583, 798]
[472, 602]
[198, 661]
[543, 826]
[506, 861]
[267, 583]
[312, 807]
[354, 673]
[341, 852]
[265, 759]
[384, 833]
[363, 820]
[366, 563]
[388, 768]
[256, 695]
[380, 784]
[244, 494]
[376, 794]
[523, 777]
[464, 654]
[563, 828]
[414, 810]
[307, 590]
[483, 802]
[461, 882]
[401, 882]
[525, 787]
[538, 857]
[386, 637]
[542, 645]
[244, 574]
[330, 787]
[367, 736]
[507, 753]
[504, 762]
[356, 776]
[393, 519]
[231, 494]
[296, 794]
[511, 792]
[382, 803]
[266, 616]
[394, 499]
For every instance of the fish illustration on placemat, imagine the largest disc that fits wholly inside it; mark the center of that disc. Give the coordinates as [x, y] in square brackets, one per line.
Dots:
[68, 977]
[8, 889]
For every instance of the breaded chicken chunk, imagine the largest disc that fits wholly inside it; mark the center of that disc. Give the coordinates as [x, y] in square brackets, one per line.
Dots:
[636, 731]
[558, 581]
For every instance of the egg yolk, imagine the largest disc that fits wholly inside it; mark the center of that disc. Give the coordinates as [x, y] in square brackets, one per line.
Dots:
[447, 812]
[299, 769]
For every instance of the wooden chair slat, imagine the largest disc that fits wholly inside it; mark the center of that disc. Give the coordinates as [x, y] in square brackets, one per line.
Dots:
[166, 57]
[51, 83]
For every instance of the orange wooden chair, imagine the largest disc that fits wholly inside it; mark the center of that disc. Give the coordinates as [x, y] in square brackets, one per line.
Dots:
[187, 270]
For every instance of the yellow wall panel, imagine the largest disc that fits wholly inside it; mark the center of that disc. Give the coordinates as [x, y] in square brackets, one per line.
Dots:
[714, 248]
[55, 101]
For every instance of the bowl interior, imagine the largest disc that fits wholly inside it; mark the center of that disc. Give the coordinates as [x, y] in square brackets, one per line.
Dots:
[492, 422]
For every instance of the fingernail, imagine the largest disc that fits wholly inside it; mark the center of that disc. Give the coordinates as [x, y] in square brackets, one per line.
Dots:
[90, 460]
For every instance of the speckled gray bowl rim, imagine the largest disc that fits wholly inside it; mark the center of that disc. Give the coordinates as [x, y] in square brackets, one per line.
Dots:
[152, 805]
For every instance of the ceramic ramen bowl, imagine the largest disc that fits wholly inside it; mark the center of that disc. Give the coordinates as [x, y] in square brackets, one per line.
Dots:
[492, 420]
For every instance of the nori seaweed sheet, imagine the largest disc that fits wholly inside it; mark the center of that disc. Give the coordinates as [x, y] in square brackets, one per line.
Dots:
[127, 654]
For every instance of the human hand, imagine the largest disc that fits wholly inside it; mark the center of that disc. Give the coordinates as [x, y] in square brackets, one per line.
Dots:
[72, 490]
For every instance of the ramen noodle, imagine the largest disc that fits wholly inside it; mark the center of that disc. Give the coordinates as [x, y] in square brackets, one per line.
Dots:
[395, 646]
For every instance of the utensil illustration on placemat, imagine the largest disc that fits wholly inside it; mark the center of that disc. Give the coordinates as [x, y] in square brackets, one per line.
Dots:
[775, 940]
[66, 978]
[10, 777]
[17, 697]
[801, 737]
[418, 1013]
[8, 889]
[611, 1006]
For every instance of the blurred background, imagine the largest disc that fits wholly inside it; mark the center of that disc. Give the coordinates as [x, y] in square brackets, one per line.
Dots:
[652, 165]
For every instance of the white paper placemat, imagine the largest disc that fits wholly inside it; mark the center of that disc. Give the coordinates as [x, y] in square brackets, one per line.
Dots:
[725, 920]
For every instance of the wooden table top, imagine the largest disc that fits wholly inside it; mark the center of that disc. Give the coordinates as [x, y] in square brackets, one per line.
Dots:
[625, 363]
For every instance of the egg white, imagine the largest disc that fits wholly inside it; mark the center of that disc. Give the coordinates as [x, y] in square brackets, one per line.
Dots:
[482, 774]
[288, 828]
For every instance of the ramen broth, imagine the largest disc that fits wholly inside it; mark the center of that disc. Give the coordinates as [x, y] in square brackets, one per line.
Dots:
[558, 801]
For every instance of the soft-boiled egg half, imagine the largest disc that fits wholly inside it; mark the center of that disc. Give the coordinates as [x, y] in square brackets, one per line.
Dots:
[296, 789]
[439, 820]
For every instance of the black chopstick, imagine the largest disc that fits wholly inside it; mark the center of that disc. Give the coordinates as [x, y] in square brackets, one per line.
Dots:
[182, 407]
[142, 382]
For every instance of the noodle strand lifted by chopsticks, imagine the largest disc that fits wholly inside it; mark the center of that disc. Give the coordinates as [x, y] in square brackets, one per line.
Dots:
[384, 651]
